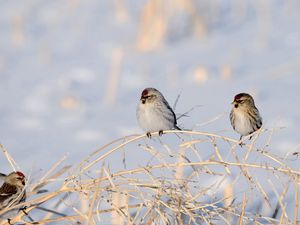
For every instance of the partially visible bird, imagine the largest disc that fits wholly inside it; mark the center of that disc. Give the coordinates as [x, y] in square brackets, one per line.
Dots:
[154, 112]
[244, 117]
[12, 192]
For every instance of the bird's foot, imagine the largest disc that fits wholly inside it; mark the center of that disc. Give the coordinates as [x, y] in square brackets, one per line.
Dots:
[241, 144]
[148, 134]
[160, 133]
[23, 209]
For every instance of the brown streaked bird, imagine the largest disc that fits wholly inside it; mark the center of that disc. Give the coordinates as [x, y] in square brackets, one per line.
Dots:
[244, 117]
[12, 192]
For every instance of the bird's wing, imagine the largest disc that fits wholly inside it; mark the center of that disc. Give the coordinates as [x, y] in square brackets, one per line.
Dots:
[171, 110]
[7, 190]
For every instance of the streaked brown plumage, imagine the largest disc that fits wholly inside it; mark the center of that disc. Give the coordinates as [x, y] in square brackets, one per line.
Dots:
[12, 191]
[244, 117]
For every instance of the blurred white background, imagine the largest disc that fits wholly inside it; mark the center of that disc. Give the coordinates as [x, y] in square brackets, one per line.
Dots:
[71, 71]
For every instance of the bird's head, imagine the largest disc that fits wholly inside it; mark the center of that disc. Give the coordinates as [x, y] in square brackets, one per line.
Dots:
[243, 99]
[16, 178]
[149, 95]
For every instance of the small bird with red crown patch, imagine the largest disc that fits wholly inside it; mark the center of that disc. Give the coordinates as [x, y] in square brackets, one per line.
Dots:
[154, 113]
[12, 192]
[244, 117]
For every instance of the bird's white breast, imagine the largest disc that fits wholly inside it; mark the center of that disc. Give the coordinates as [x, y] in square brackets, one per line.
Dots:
[151, 119]
[242, 122]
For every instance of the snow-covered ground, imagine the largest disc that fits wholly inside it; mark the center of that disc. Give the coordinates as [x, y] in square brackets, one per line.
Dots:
[71, 73]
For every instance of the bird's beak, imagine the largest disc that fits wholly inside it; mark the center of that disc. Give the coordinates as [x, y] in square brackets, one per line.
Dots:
[235, 103]
[143, 99]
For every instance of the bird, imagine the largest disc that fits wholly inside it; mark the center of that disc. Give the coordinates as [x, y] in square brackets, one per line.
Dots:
[245, 117]
[154, 113]
[12, 192]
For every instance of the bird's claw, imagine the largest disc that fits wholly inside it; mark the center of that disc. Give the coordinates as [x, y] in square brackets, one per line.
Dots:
[148, 134]
[160, 133]
[23, 209]
[241, 144]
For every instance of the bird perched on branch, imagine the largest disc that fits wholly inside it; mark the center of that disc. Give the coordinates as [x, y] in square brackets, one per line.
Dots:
[154, 112]
[12, 192]
[244, 117]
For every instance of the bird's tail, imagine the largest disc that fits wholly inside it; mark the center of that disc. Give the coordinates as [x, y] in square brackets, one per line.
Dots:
[177, 128]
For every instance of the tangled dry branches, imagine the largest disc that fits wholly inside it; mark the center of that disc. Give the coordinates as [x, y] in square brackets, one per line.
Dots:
[185, 177]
